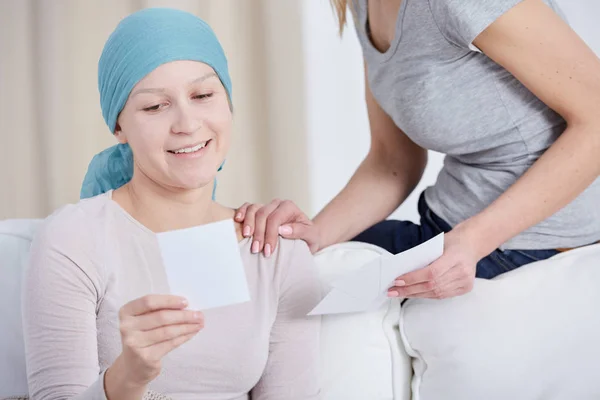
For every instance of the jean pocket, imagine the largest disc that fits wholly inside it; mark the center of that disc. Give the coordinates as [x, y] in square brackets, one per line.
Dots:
[502, 260]
[436, 222]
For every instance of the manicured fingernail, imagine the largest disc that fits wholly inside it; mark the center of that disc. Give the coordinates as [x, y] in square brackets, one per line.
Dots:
[285, 230]
[393, 294]
[400, 283]
[246, 232]
[267, 250]
[238, 216]
[255, 247]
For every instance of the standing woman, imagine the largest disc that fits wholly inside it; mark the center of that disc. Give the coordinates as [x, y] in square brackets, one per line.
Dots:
[511, 95]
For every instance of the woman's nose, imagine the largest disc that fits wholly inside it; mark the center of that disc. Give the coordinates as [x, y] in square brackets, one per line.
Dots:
[186, 121]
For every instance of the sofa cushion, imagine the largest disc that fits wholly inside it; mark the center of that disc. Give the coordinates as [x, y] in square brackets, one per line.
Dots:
[361, 354]
[15, 240]
[529, 334]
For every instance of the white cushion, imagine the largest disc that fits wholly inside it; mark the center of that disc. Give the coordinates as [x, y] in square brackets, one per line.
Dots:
[533, 333]
[15, 240]
[361, 355]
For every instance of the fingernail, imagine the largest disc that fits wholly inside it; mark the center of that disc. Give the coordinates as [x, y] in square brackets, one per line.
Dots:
[197, 316]
[400, 283]
[267, 250]
[184, 302]
[246, 231]
[393, 294]
[285, 230]
[238, 216]
[255, 247]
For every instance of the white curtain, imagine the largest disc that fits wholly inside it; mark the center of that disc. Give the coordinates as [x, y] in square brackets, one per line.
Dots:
[50, 118]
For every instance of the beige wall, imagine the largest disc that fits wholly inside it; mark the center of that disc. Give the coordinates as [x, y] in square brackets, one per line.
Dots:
[50, 119]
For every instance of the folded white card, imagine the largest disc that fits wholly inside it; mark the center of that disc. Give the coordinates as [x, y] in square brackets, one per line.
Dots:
[204, 265]
[366, 289]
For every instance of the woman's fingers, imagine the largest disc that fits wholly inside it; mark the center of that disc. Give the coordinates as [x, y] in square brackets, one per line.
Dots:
[165, 334]
[249, 224]
[288, 221]
[443, 294]
[452, 289]
[286, 212]
[456, 281]
[304, 231]
[151, 303]
[258, 240]
[165, 348]
[161, 318]
[151, 326]
[266, 223]
[240, 213]
[432, 273]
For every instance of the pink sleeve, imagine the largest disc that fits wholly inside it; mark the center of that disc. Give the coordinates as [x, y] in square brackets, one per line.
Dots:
[292, 367]
[60, 293]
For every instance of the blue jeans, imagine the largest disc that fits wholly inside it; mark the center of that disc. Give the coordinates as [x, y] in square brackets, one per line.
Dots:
[398, 236]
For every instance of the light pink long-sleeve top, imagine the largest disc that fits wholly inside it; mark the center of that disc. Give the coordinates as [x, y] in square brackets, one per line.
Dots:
[91, 258]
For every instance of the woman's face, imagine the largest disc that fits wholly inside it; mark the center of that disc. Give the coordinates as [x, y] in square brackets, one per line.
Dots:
[178, 123]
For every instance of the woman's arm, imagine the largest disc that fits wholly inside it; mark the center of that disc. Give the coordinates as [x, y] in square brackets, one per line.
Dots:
[390, 172]
[292, 370]
[62, 290]
[386, 177]
[533, 43]
[59, 322]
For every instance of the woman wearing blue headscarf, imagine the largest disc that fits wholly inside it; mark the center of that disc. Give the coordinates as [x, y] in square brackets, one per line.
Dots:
[92, 330]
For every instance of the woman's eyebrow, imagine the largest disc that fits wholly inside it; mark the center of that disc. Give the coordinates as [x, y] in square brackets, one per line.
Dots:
[204, 77]
[161, 90]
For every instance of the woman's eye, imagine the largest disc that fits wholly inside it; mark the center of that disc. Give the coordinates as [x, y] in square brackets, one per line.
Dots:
[203, 96]
[153, 108]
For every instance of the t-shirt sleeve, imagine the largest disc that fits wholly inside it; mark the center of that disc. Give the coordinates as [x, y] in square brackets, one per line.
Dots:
[292, 372]
[461, 21]
[60, 296]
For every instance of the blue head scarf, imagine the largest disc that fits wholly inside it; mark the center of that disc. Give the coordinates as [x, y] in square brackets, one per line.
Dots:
[142, 42]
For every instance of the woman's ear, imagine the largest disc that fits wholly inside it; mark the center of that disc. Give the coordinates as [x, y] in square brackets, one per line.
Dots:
[119, 134]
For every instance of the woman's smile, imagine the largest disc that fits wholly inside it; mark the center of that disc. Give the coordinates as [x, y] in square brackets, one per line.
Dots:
[191, 151]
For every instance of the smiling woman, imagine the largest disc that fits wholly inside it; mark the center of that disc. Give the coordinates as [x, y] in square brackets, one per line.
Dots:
[181, 131]
[97, 317]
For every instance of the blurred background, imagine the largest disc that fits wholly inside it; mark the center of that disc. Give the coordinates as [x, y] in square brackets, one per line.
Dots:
[300, 121]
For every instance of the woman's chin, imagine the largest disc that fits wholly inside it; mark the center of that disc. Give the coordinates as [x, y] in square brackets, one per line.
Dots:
[194, 184]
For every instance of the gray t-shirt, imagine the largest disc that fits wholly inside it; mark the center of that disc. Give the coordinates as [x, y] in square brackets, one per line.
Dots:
[449, 97]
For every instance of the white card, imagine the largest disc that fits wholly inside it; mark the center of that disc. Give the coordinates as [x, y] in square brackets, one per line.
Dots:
[204, 265]
[366, 288]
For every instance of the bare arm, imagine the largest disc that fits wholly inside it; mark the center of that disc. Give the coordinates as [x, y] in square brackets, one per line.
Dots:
[541, 50]
[386, 177]
[390, 172]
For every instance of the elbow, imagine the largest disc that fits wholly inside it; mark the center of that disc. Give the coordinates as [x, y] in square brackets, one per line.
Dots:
[582, 139]
[586, 127]
[406, 164]
[583, 118]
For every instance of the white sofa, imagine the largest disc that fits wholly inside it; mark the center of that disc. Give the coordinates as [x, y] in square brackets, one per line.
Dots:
[533, 333]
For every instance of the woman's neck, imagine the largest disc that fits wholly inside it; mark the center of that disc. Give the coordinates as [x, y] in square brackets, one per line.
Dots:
[162, 209]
